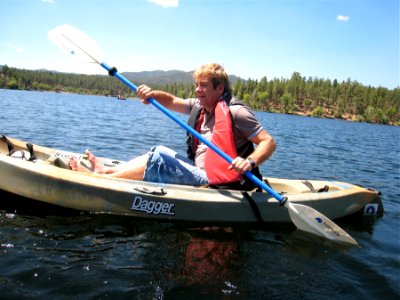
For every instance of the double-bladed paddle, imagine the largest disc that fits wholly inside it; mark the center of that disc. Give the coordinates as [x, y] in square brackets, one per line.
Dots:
[80, 45]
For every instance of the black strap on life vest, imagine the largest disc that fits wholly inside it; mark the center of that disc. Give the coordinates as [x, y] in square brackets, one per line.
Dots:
[192, 122]
[245, 150]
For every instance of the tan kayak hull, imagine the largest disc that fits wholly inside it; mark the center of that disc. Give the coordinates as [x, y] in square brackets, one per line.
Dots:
[44, 180]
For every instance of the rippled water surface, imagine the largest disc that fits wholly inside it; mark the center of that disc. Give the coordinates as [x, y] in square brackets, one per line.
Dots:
[64, 254]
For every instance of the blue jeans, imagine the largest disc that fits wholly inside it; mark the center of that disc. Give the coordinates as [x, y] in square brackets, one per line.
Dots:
[166, 166]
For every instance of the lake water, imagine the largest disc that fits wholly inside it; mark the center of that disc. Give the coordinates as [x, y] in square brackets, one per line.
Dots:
[82, 256]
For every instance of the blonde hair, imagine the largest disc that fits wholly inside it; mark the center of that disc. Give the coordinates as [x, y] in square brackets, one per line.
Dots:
[216, 73]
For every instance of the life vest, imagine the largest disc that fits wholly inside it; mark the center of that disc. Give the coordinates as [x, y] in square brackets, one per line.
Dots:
[215, 166]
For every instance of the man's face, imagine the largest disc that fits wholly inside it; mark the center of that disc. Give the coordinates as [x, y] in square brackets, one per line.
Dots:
[206, 93]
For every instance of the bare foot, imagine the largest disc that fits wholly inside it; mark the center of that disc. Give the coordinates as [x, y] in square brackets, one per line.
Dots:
[92, 164]
[96, 167]
[76, 166]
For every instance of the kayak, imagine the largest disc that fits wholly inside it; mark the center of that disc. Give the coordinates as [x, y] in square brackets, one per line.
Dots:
[43, 174]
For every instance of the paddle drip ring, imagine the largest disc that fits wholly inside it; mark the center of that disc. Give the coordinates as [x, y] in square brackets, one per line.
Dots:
[112, 71]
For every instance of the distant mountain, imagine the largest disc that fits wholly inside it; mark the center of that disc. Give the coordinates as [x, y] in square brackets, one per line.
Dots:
[159, 77]
[156, 77]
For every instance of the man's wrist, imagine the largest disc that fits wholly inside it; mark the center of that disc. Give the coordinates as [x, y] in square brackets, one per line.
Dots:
[251, 162]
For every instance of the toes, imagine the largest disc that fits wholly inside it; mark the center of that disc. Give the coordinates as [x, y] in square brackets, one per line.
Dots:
[90, 155]
[73, 164]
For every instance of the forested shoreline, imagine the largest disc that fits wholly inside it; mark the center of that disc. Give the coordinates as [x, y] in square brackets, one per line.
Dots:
[315, 97]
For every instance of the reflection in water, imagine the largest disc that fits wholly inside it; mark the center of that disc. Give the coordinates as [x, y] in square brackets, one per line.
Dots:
[208, 260]
[212, 261]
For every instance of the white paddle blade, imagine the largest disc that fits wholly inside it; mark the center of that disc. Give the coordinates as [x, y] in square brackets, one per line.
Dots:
[73, 41]
[310, 220]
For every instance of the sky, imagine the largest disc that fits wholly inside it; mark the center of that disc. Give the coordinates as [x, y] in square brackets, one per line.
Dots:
[328, 39]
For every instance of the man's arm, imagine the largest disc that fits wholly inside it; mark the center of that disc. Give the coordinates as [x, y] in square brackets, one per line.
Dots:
[265, 147]
[166, 99]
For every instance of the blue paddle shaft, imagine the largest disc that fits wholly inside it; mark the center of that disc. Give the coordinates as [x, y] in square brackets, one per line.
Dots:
[183, 124]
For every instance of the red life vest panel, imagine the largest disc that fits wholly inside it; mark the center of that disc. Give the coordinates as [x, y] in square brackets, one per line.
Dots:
[216, 167]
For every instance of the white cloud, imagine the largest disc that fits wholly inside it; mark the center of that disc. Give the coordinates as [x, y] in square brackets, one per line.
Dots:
[49, 1]
[164, 3]
[342, 18]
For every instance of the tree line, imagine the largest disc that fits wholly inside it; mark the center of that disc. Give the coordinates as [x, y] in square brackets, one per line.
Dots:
[298, 95]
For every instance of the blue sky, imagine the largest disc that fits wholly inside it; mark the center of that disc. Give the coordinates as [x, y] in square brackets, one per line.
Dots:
[252, 38]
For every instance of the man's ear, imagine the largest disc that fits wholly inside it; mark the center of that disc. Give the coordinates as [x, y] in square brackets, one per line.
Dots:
[220, 88]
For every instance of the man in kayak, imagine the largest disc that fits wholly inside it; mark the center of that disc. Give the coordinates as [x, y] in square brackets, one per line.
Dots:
[218, 117]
